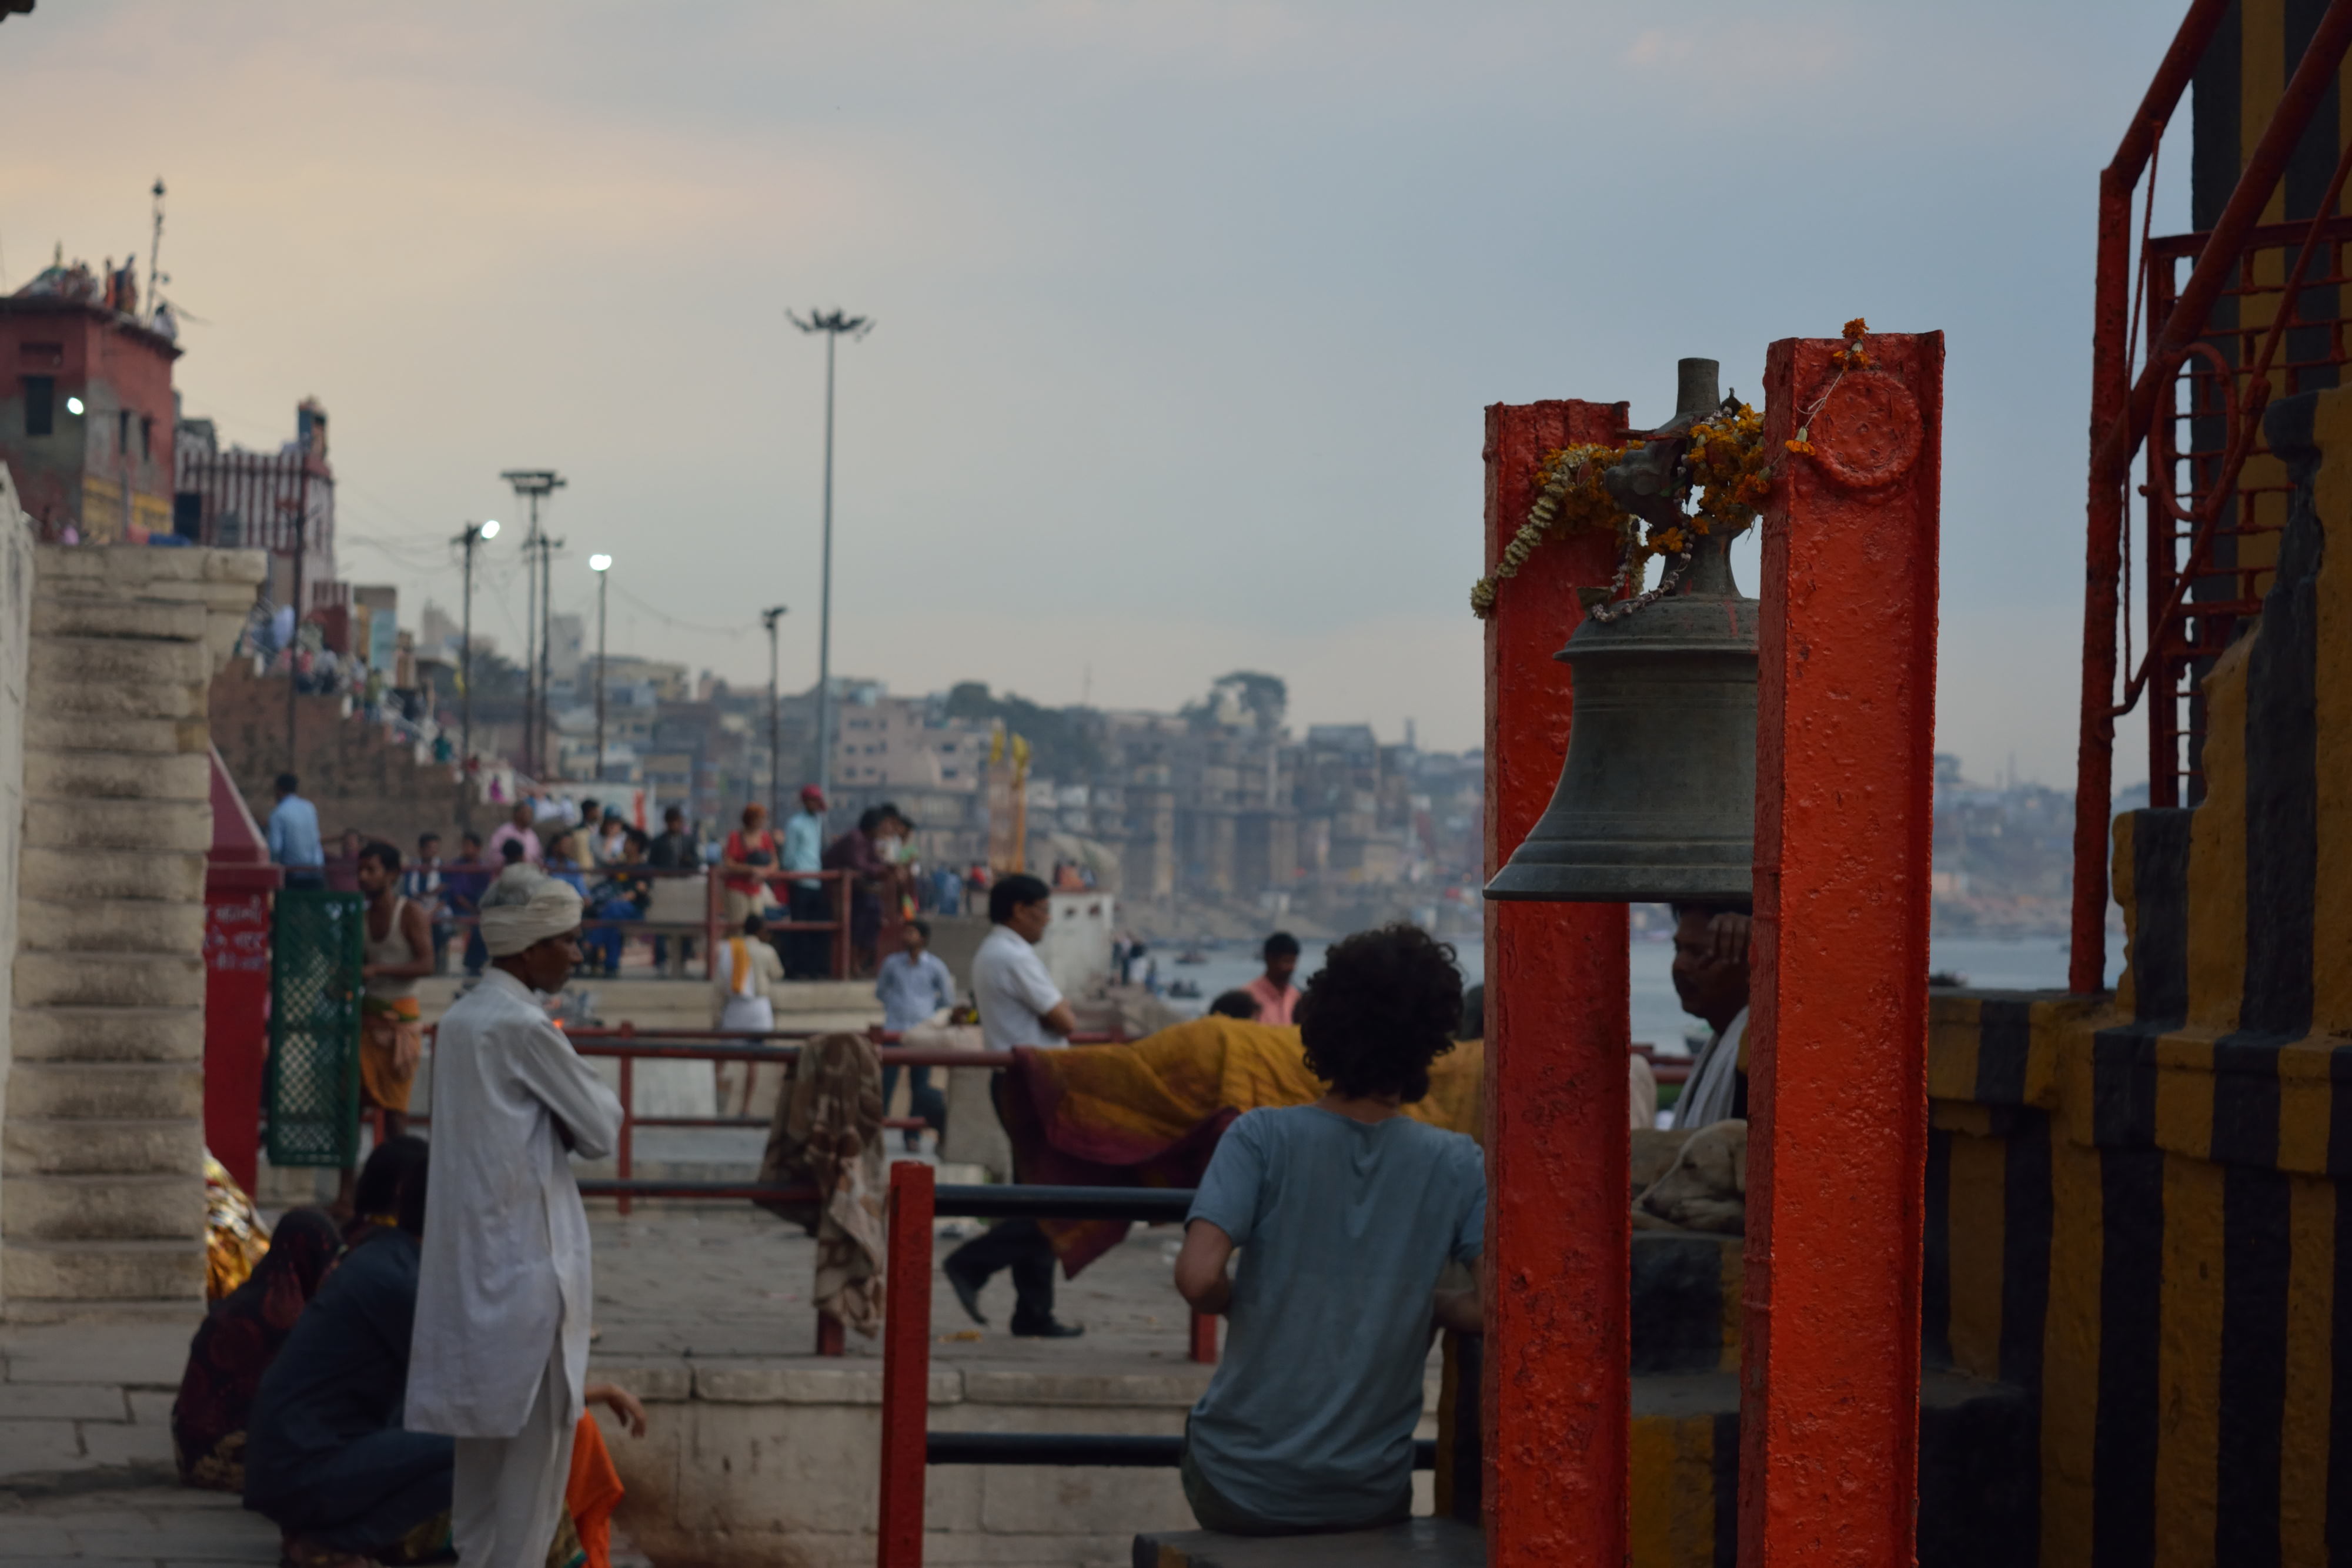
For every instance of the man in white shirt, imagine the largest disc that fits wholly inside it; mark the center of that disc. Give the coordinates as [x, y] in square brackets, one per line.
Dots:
[1711, 979]
[499, 1353]
[1019, 1005]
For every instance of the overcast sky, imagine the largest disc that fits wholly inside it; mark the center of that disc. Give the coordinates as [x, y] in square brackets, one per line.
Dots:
[1186, 313]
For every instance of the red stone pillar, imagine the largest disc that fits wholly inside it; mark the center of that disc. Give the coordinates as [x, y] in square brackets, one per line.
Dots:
[1837, 1038]
[1554, 1403]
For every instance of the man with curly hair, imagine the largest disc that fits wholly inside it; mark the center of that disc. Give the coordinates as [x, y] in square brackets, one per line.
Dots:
[1348, 1213]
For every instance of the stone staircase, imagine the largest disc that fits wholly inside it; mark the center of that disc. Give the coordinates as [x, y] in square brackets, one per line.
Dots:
[101, 1166]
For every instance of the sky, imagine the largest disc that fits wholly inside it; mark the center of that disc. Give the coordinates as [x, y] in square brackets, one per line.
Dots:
[1184, 314]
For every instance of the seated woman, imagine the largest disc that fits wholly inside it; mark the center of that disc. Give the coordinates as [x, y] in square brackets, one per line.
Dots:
[327, 1459]
[236, 1343]
[1348, 1213]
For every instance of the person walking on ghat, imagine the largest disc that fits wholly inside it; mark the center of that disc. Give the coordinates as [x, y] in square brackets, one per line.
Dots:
[398, 953]
[1019, 1005]
[294, 836]
[498, 1357]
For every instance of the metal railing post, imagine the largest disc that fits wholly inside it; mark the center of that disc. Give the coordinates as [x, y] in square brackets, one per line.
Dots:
[1203, 1346]
[906, 1366]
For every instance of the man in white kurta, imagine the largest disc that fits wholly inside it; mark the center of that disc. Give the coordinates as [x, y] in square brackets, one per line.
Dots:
[498, 1357]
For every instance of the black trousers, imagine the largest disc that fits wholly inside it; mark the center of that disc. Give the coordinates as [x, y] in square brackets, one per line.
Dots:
[1019, 1246]
[808, 954]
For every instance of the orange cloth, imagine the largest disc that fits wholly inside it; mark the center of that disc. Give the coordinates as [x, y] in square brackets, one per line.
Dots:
[384, 1039]
[593, 1491]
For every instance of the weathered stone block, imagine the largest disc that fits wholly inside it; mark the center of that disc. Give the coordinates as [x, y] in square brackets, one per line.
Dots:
[110, 618]
[62, 1402]
[149, 980]
[121, 569]
[106, 1091]
[118, 775]
[84, 875]
[1175, 1389]
[109, 1034]
[103, 1272]
[180, 826]
[29, 1147]
[785, 1383]
[86, 732]
[110, 925]
[756, 1468]
[654, 1381]
[57, 697]
[108, 1208]
[117, 660]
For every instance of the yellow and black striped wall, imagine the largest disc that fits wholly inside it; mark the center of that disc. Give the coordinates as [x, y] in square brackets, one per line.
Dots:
[2133, 1208]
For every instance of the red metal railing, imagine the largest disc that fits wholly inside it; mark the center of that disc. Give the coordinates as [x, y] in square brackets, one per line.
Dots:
[2193, 610]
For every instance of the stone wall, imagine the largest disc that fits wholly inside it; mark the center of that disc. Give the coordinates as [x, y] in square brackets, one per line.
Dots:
[358, 774]
[17, 535]
[101, 1147]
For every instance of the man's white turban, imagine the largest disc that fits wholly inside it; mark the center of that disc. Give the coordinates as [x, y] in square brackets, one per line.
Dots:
[511, 925]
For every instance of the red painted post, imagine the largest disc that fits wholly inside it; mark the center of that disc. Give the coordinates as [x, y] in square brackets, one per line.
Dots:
[906, 1365]
[1203, 1348]
[712, 922]
[841, 926]
[621, 1163]
[830, 1339]
[1838, 1134]
[1558, 1260]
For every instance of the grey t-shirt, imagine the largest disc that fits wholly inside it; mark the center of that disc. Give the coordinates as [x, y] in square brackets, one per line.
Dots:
[1344, 1228]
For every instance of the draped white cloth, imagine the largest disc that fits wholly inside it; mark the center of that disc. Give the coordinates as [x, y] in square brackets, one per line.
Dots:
[505, 1274]
[1714, 1086]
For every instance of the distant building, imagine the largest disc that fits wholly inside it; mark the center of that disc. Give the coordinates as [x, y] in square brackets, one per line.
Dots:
[86, 406]
[566, 640]
[237, 499]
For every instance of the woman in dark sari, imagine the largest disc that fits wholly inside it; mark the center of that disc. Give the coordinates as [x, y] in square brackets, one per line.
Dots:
[236, 1344]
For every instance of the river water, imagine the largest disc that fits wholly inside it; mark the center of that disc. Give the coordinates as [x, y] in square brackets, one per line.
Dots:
[1988, 963]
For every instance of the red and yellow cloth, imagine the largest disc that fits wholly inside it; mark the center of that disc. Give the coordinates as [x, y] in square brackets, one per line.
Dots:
[1149, 1114]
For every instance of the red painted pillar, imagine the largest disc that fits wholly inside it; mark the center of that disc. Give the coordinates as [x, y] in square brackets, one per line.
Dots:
[1555, 1275]
[906, 1365]
[1837, 1054]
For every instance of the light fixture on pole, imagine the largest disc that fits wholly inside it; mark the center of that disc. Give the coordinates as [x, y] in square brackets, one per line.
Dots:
[833, 324]
[475, 534]
[601, 565]
[769, 617]
[533, 483]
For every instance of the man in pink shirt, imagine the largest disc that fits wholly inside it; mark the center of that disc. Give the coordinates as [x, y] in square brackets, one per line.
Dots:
[517, 829]
[1272, 991]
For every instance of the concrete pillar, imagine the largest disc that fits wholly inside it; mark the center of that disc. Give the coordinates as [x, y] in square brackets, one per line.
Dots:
[1837, 1040]
[1557, 1260]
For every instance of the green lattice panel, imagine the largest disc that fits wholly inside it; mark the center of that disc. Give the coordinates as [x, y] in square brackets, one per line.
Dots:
[316, 944]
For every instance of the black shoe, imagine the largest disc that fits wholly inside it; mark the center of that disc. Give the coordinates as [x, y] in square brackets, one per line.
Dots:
[1052, 1327]
[967, 1291]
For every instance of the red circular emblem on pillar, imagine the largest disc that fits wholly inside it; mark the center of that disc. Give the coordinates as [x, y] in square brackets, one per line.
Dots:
[1867, 433]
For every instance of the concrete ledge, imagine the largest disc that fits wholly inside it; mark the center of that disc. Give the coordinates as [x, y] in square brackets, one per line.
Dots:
[107, 1206]
[783, 1383]
[31, 1146]
[81, 875]
[130, 980]
[118, 775]
[109, 1034]
[120, 568]
[1175, 1390]
[109, 926]
[92, 1271]
[107, 1091]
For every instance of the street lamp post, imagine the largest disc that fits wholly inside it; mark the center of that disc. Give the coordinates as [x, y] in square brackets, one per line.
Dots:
[769, 617]
[601, 565]
[473, 536]
[531, 484]
[833, 324]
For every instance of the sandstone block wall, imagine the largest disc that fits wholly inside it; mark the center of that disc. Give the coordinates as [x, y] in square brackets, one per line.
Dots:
[357, 774]
[105, 821]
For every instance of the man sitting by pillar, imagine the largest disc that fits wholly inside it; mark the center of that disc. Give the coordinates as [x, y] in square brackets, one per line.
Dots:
[1711, 979]
[1348, 1213]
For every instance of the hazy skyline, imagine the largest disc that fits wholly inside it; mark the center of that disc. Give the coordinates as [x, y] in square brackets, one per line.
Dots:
[1186, 314]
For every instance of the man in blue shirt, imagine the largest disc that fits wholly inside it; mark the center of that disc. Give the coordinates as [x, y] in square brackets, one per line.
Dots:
[913, 984]
[294, 836]
[1348, 1213]
[807, 954]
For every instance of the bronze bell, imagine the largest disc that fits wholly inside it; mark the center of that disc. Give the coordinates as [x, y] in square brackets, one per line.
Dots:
[1657, 800]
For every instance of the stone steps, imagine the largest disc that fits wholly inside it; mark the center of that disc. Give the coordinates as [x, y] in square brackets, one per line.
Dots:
[80, 1272]
[112, 1205]
[94, 775]
[82, 874]
[128, 980]
[119, 925]
[116, 1090]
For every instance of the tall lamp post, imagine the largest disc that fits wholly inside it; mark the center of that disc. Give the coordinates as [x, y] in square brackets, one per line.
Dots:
[475, 534]
[769, 617]
[601, 565]
[531, 485]
[833, 324]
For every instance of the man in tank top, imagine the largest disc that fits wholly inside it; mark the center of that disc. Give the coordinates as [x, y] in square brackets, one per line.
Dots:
[399, 952]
